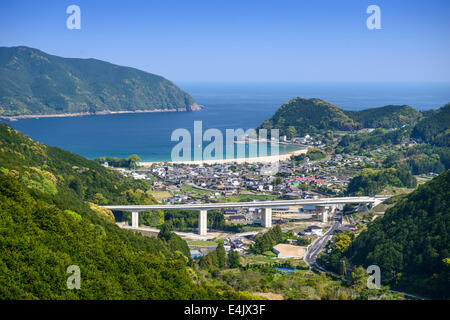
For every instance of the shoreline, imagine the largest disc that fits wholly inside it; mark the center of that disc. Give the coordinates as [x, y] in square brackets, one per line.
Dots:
[264, 159]
[193, 108]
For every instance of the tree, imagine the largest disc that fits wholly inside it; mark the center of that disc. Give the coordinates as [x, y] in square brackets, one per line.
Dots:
[342, 242]
[164, 232]
[359, 278]
[233, 259]
[277, 181]
[133, 159]
[221, 256]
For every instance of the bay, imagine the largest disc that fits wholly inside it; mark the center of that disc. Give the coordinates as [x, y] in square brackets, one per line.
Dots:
[227, 106]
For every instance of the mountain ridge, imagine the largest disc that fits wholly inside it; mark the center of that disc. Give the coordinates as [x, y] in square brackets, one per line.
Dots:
[300, 116]
[33, 82]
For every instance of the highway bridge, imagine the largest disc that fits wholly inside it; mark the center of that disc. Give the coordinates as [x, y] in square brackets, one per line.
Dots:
[324, 205]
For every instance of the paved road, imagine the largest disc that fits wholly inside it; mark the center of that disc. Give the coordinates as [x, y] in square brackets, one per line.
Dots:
[189, 235]
[320, 243]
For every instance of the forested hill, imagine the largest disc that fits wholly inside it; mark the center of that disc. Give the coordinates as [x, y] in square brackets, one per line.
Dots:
[34, 82]
[301, 116]
[55, 171]
[435, 128]
[411, 242]
[386, 117]
[49, 220]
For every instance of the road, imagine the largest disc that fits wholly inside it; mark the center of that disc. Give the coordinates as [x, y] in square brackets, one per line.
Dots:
[252, 204]
[319, 244]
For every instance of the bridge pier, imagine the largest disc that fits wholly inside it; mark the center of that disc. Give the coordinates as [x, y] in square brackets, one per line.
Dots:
[376, 202]
[323, 211]
[202, 222]
[267, 217]
[134, 219]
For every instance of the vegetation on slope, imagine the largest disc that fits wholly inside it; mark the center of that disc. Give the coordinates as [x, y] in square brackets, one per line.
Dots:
[34, 82]
[359, 143]
[435, 129]
[56, 171]
[46, 225]
[301, 116]
[410, 243]
[423, 148]
[386, 117]
[370, 182]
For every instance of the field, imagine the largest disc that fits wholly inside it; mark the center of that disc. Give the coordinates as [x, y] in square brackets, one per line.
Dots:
[201, 243]
[160, 195]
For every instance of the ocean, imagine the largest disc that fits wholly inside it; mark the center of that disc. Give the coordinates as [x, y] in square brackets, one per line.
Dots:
[227, 106]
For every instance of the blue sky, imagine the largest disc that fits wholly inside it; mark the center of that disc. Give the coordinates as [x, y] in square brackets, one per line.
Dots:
[245, 40]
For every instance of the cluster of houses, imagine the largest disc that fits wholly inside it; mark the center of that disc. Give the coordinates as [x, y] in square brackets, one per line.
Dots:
[132, 173]
[306, 140]
[230, 179]
[293, 180]
[311, 230]
[234, 243]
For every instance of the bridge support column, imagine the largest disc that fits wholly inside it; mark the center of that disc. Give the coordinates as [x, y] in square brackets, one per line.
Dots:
[323, 212]
[325, 216]
[267, 217]
[134, 219]
[202, 222]
[376, 202]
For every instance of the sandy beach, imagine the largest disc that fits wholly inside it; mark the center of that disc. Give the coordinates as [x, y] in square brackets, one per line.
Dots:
[265, 159]
[194, 107]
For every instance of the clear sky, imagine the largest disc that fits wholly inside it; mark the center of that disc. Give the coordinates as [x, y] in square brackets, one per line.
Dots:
[244, 40]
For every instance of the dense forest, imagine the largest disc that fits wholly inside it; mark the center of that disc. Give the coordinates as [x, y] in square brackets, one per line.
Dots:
[300, 116]
[34, 82]
[386, 117]
[422, 148]
[58, 172]
[435, 129]
[359, 143]
[370, 182]
[411, 241]
[47, 224]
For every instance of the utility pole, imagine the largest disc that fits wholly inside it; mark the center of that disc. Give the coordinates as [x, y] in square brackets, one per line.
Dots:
[343, 268]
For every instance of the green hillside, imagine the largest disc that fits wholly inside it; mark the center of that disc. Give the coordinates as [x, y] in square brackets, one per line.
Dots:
[47, 224]
[386, 117]
[34, 82]
[300, 116]
[58, 172]
[435, 129]
[410, 243]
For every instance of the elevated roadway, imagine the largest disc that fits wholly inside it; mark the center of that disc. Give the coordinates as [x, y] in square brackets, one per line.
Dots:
[265, 205]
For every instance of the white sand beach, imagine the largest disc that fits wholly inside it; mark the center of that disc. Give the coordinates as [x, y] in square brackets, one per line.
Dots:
[265, 159]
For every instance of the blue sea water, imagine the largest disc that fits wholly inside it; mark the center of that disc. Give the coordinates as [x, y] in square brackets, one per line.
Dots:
[227, 106]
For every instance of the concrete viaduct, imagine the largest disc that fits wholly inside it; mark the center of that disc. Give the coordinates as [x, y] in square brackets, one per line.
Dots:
[267, 206]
